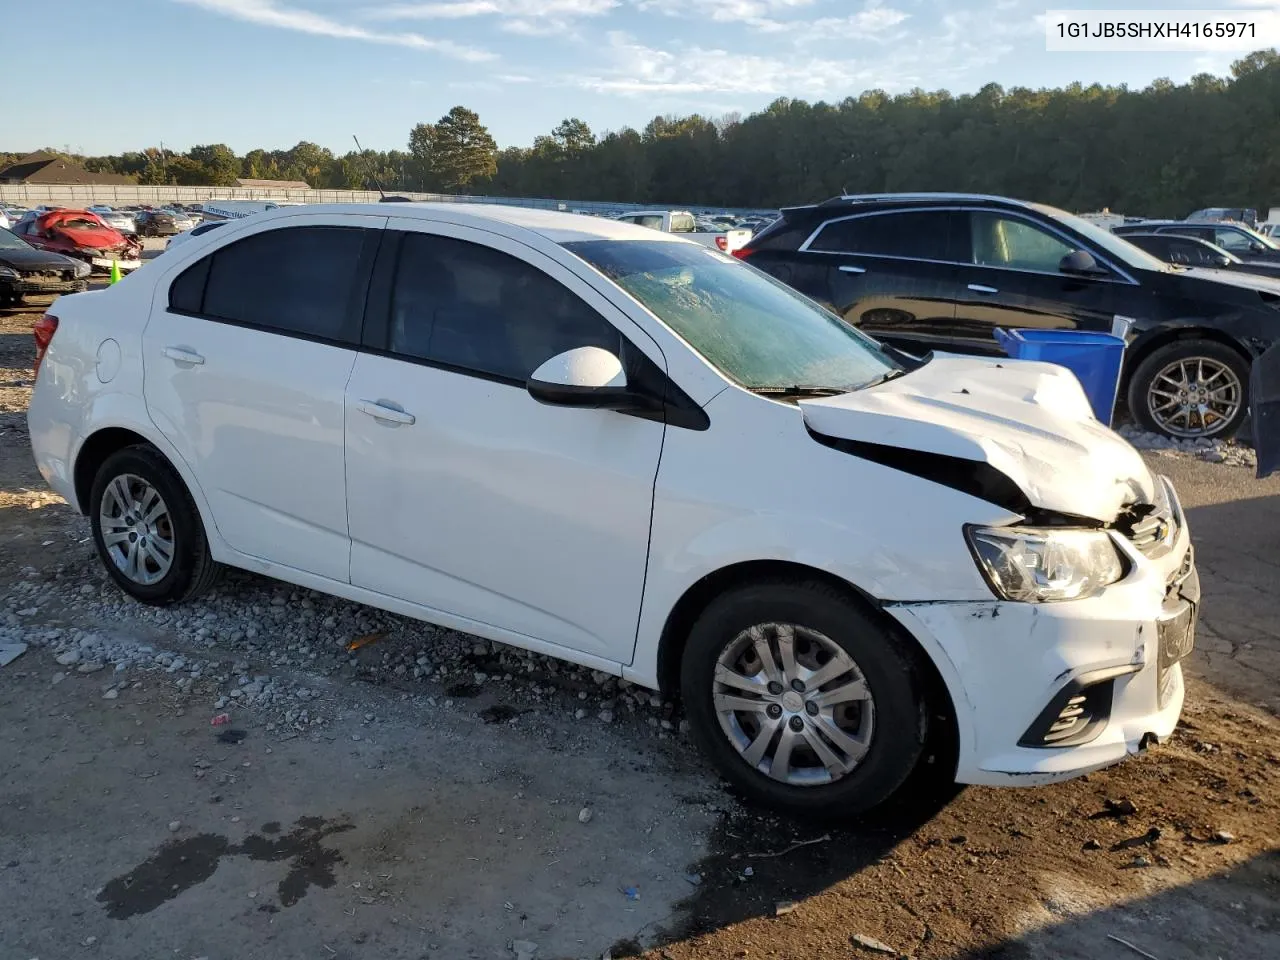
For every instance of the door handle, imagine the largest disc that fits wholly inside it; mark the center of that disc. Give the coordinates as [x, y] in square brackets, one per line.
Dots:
[183, 355]
[381, 411]
[847, 269]
[982, 288]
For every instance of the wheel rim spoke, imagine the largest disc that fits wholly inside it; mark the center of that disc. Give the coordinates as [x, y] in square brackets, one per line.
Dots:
[755, 752]
[833, 763]
[787, 652]
[765, 654]
[731, 678]
[780, 766]
[845, 693]
[724, 701]
[832, 669]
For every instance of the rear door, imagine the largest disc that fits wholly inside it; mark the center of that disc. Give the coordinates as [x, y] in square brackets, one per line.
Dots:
[890, 274]
[1012, 280]
[246, 358]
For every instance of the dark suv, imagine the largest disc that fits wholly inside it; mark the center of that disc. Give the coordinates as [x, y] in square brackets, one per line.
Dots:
[942, 271]
[1235, 238]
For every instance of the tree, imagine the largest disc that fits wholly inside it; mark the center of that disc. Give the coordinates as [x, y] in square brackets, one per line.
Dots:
[462, 151]
[221, 165]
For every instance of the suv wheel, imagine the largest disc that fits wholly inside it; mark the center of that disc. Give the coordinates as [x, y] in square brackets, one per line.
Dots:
[1191, 389]
[801, 699]
[147, 530]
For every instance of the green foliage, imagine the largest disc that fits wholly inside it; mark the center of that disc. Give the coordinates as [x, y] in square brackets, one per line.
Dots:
[1161, 151]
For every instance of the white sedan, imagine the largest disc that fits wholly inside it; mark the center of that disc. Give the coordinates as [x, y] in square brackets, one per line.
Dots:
[621, 448]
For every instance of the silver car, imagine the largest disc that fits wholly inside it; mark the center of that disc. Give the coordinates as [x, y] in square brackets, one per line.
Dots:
[119, 220]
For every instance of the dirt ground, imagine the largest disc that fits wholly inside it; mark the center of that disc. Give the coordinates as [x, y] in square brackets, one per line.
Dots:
[387, 815]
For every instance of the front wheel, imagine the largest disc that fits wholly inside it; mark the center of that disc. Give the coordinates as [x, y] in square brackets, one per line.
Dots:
[1191, 390]
[802, 700]
[147, 530]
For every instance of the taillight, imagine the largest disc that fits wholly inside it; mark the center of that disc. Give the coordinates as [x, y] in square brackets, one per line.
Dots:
[722, 242]
[743, 252]
[43, 331]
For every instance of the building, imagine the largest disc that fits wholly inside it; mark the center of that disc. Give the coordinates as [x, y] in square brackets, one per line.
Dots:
[49, 168]
[272, 184]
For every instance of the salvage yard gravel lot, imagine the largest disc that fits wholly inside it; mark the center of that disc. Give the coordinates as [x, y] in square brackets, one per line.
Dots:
[272, 772]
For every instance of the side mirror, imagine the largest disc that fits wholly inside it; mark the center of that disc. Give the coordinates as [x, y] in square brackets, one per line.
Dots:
[1222, 261]
[1080, 262]
[589, 377]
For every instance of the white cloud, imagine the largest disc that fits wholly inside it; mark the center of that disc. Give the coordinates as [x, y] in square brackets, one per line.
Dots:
[527, 17]
[639, 69]
[268, 13]
[755, 13]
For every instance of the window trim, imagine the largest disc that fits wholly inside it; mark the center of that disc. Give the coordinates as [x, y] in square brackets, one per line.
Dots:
[1119, 275]
[354, 311]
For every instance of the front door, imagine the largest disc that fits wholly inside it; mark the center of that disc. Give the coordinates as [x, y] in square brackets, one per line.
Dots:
[246, 358]
[1012, 280]
[467, 496]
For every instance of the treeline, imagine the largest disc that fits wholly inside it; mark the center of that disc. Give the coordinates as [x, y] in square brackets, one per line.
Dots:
[1162, 150]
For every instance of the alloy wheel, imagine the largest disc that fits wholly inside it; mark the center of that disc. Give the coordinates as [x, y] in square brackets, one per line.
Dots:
[136, 529]
[793, 703]
[1195, 397]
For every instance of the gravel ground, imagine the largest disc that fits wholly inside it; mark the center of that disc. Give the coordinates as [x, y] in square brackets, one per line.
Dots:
[231, 779]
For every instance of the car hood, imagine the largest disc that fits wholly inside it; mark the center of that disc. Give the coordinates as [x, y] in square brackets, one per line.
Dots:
[33, 259]
[1236, 278]
[1029, 421]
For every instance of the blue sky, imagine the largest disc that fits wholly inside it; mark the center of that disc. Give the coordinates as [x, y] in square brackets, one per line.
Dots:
[269, 73]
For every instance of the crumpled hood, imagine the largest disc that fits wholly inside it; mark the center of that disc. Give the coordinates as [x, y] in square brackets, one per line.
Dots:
[1030, 421]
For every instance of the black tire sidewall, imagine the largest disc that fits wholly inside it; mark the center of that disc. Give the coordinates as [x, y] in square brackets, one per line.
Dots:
[880, 653]
[190, 547]
[1146, 371]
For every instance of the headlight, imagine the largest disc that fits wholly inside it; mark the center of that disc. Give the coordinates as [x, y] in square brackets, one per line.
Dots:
[81, 270]
[1041, 564]
[8, 273]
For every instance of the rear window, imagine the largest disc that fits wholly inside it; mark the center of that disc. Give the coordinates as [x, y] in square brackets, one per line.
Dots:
[295, 280]
[916, 234]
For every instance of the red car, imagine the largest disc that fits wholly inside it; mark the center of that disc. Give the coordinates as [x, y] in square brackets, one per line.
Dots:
[82, 235]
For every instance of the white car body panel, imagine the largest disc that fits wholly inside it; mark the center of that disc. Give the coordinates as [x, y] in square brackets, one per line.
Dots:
[1031, 421]
[576, 532]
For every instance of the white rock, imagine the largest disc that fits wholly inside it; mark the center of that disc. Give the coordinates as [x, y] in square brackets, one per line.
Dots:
[584, 815]
[175, 826]
[111, 694]
[68, 658]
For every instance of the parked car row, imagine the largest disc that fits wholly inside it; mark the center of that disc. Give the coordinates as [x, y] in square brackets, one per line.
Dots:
[851, 565]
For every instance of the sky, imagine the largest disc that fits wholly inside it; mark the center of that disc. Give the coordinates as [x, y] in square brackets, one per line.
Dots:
[269, 73]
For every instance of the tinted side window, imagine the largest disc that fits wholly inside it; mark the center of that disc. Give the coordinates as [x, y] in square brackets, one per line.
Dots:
[920, 234]
[1000, 241]
[478, 309]
[296, 280]
[186, 294]
[652, 222]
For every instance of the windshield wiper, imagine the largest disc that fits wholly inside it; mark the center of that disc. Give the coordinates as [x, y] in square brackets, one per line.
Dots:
[884, 378]
[800, 390]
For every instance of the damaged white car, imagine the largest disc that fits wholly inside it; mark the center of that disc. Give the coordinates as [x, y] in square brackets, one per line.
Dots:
[635, 453]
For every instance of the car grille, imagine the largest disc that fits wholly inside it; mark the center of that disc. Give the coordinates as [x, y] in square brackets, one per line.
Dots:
[1152, 527]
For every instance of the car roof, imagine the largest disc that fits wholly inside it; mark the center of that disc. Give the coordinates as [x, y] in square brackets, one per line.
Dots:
[866, 202]
[551, 224]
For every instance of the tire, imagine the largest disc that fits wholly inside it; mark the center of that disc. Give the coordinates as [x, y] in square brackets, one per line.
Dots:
[1225, 363]
[191, 569]
[893, 731]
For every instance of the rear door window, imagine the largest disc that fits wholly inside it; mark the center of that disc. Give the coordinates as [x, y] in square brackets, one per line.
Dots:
[683, 223]
[296, 280]
[482, 311]
[653, 222]
[914, 234]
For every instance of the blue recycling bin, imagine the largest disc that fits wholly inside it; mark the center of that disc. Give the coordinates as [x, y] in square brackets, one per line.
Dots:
[1095, 359]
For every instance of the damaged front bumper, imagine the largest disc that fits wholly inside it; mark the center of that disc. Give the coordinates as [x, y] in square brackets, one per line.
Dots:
[1045, 692]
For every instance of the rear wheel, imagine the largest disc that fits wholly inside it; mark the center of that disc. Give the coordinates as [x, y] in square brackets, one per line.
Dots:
[803, 701]
[147, 530]
[1191, 389]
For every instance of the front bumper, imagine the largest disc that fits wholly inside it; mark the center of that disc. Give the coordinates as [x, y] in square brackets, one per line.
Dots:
[42, 286]
[1012, 667]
